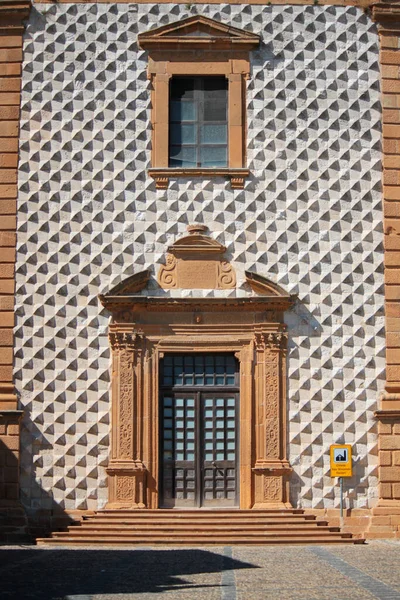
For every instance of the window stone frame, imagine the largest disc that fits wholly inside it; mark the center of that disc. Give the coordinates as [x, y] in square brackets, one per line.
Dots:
[177, 49]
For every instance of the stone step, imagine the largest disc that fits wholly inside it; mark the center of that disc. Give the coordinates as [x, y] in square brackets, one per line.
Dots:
[194, 527]
[182, 531]
[200, 541]
[193, 521]
[202, 518]
[193, 524]
[78, 533]
[218, 512]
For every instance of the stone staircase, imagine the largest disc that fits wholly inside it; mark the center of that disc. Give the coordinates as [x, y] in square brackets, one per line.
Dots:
[199, 527]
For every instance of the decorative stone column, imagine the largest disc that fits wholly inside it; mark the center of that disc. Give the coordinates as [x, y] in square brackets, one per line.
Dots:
[126, 471]
[271, 465]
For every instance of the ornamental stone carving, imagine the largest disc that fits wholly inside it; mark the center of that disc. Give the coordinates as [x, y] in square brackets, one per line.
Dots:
[167, 276]
[125, 488]
[196, 262]
[125, 404]
[273, 488]
[274, 341]
[146, 328]
[121, 340]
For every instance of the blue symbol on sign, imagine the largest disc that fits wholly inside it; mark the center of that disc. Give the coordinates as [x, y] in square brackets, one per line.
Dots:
[340, 455]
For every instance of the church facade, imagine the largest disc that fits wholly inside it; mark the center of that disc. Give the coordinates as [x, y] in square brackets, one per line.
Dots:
[200, 258]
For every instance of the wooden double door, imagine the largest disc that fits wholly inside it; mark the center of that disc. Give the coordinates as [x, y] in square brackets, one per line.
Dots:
[199, 441]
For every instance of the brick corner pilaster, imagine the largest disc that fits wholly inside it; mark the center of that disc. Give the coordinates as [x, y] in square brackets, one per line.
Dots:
[385, 517]
[13, 523]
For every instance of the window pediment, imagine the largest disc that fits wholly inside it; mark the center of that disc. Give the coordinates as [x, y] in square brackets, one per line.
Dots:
[198, 31]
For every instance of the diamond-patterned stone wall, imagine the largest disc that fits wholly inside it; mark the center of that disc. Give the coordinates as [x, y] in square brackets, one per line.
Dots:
[309, 218]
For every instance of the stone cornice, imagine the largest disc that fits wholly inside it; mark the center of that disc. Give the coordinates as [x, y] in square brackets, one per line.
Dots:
[162, 304]
[387, 414]
[387, 15]
[12, 15]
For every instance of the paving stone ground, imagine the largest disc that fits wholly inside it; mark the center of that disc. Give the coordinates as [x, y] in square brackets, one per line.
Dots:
[206, 573]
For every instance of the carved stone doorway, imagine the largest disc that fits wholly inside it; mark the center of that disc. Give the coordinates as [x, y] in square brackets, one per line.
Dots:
[147, 328]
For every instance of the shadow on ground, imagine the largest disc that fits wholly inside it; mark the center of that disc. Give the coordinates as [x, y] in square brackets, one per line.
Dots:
[35, 574]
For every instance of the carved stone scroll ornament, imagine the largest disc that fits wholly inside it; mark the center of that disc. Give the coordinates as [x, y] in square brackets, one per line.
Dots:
[127, 347]
[226, 276]
[125, 488]
[128, 485]
[196, 261]
[167, 275]
[126, 404]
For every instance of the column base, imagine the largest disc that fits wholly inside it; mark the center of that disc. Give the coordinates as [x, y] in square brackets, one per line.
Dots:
[127, 485]
[271, 505]
[271, 484]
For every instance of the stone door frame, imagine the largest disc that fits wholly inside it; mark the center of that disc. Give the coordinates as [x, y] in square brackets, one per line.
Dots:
[144, 329]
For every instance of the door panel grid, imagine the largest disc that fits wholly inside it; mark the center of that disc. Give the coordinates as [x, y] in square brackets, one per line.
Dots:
[220, 447]
[199, 441]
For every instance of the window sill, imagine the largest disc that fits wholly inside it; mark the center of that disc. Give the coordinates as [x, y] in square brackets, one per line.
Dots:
[163, 175]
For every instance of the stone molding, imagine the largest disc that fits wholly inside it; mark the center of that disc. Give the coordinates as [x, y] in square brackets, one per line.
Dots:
[387, 15]
[196, 261]
[162, 176]
[214, 36]
[145, 334]
[12, 15]
[204, 47]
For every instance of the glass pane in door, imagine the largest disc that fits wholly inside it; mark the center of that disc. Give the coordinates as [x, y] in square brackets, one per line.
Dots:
[179, 449]
[219, 440]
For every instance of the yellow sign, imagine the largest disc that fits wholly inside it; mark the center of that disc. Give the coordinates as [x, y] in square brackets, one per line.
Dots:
[341, 465]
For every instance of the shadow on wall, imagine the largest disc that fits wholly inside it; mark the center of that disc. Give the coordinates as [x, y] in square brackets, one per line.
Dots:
[301, 324]
[70, 574]
[13, 522]
[19, 524]
[43, 512]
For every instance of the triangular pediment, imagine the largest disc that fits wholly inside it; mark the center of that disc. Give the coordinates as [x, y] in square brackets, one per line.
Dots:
[198, 30]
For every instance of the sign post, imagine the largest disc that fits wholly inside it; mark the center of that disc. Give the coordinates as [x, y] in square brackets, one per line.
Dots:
[341, 466]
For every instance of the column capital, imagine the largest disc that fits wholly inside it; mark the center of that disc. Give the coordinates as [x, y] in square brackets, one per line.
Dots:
[270, 340]
[125, 340]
